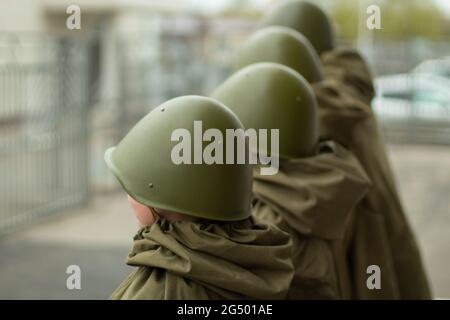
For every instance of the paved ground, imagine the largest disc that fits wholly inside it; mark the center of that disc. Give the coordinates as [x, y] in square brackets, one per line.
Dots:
[97, 238]
[423, 175]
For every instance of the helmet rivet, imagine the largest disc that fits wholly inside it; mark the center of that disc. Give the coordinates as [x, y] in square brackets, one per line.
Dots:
[150, 185]
[162, 109]
[299, 98]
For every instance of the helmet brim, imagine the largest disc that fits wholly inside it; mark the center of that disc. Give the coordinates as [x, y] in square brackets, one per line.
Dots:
[108, 157]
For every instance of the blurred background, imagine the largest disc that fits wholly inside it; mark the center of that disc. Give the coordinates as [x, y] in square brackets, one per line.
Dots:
[67, 95]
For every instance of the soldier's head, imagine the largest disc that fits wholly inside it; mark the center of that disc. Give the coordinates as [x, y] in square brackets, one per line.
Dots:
[308, 19]
[272, 96]
[159, 186]
[284, 46]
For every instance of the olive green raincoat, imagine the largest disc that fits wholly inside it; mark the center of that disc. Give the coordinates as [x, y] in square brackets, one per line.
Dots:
[200, 260]
[313, 199]
[381, 234]
[348, 67]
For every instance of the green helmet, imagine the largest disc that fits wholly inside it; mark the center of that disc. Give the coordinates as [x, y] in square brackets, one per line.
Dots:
[143, 163]
[281, 45]
[273, 96]
[306, 18]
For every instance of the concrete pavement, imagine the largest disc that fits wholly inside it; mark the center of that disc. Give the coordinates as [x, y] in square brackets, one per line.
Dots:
[97, 238]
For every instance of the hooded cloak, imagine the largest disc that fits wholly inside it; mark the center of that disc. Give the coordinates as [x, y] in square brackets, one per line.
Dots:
[381, 234]
[346, 66]
[313, 199]
[204, 260]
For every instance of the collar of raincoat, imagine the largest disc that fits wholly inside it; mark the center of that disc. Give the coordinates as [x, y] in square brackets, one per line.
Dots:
[348, 67]
[233, 259]
[315, 195]
[340, 112]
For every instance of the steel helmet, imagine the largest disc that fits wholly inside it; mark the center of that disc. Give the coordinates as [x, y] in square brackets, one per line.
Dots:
[273, 96]
[281, 45]
[307, 18]
[143, 163]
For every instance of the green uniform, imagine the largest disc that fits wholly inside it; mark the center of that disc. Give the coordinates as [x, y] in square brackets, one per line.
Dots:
[381, 233]
[195, 260]
[317, 187]
[218, 254]
[313, 199]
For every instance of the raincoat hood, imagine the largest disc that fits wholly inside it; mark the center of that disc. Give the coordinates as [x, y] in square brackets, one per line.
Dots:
[344, 96]
[315, 195]
[196, 260]
[341, 114]
[348, 67]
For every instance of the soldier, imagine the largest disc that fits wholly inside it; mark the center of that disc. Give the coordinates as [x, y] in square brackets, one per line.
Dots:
[383, 237]
[288, 47]
[197, 240]
[317, 185]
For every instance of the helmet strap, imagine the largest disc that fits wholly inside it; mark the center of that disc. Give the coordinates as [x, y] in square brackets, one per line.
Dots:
[155, 214]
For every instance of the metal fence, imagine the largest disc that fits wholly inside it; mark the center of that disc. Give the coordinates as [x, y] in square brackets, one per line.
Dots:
[43, 130]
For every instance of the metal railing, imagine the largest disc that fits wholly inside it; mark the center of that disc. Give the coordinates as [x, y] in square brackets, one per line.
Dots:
[43, 134]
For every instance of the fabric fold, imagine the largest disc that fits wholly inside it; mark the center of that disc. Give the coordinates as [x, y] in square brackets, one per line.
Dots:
[201, 260]
[382, 234]
[313, 200]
